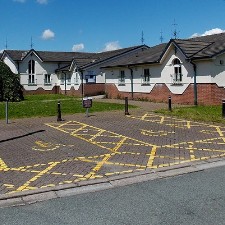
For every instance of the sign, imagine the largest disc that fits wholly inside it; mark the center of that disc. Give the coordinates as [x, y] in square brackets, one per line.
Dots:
[87, 102]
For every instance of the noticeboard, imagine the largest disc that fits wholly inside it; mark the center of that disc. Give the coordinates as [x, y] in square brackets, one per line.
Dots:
[87, 102]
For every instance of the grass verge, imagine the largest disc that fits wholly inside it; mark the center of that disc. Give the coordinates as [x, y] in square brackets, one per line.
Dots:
[196, 113]
[46, 105]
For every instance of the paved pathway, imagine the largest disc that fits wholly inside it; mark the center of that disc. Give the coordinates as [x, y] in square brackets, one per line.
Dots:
[41, 152]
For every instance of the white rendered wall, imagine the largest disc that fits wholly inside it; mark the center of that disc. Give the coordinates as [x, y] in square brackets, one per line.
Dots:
[11, 64]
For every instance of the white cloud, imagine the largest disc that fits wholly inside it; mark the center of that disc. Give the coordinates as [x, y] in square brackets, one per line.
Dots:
[110, 46]
[48, 34]
[1, 51]
[208, 32]
[78, 47]
[42, 1]
[38, 1]
[21, 1]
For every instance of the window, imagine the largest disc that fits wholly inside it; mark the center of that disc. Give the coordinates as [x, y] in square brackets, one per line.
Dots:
[62, 79]
[177, 76]
[31, 72]
[31, 67]
[122, 78]
[146, 77]
[76, 79]
[90, 77]
[31, 79]
[68, 79]
[47, 80]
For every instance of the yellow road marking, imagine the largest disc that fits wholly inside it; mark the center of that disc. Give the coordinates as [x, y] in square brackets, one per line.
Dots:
[27, 184]
[3, 165]
[219, 131]
[143, 117]
[188, 124]
[162, 119]
[152, 156]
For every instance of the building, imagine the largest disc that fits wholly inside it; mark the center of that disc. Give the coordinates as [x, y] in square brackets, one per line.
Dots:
[73, 73]
[191, 71]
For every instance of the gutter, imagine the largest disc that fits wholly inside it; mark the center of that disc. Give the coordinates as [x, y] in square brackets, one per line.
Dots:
[82, 81]
[132, 82]
[195, 84]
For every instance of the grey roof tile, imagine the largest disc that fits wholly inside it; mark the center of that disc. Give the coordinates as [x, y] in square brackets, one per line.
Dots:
[81, 58]
[150, 55]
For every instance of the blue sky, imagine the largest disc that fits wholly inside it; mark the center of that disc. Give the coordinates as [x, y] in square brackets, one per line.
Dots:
[99, 25]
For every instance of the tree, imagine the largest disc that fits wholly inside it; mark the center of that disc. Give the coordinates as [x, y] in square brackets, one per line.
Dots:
[10, 87]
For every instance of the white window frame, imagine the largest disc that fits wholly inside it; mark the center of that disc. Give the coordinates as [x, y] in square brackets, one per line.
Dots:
[31, 72]
[146, 76]
[76, 79]
[121, 80]
[47, 79]
[177, 76]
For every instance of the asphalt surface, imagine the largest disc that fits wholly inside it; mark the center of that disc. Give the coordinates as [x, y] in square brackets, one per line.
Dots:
[42, 155]
[190, 199]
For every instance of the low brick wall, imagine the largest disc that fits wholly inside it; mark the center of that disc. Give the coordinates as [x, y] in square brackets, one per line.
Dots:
[208, 94]
[88, 90]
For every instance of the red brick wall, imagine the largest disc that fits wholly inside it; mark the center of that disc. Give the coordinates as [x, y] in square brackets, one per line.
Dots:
[89, 89]
[93, 89]
[208, 94]
[39, 91]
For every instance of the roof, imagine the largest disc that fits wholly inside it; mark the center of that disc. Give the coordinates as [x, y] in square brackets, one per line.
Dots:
[80, 58]
[102, 56]
[193, 48]
[203, 47]
[150, 55]
[49, 56]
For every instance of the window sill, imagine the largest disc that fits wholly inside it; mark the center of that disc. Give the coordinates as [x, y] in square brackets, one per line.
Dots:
[121, 84]
[145, 84]
[180, 84]
[32, 84]
[47, 84]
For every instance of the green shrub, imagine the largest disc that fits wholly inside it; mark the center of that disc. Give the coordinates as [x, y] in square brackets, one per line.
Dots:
[10, 87]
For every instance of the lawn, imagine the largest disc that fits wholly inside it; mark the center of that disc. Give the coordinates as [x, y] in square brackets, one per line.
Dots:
[46, 105]
[196, 113]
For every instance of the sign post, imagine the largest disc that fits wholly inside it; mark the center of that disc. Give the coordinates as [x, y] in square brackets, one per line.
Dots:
[87, 103]
[7, 111]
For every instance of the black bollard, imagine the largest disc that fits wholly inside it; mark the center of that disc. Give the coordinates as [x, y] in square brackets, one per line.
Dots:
[59, 118]
[223, 108]
[170, 103]
[126, 106]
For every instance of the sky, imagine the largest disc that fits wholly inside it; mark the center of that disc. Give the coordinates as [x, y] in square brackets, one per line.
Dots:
[103, 25]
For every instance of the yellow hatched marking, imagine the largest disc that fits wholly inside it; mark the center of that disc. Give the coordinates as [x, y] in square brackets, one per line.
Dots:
[9, 186]
[105, 159]
[119, 144]
[97, 135]
[191, 149]
[188, 124]
[162, 119]
[155, 133]
[219, 131]
[27, 184]
[143, 117]
[3, 165]
[102, 131]
[75, 131]
[152, 156]
[63, 124]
